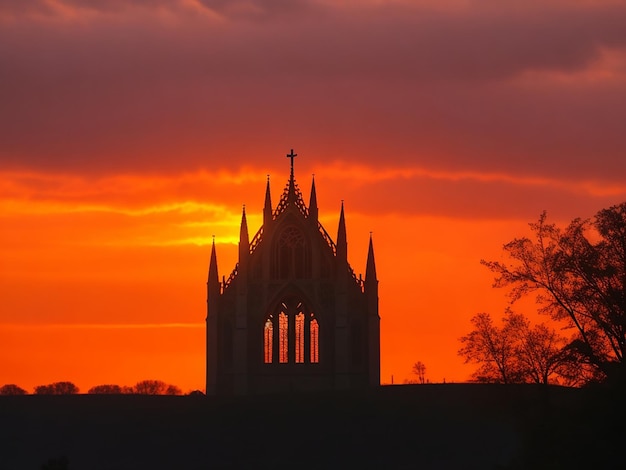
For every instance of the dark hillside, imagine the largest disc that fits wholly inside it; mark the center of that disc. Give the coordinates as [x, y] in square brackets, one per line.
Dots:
[421, 426]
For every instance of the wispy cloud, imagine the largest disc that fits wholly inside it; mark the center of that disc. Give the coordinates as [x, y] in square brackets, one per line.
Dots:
[158, 199]
[367, 174]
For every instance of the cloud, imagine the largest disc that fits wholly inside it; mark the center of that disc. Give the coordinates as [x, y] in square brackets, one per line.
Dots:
[129, 86]
[190, 207]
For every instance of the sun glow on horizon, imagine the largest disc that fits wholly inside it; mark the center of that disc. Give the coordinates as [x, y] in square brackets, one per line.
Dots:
[143, 243]
[133, 134]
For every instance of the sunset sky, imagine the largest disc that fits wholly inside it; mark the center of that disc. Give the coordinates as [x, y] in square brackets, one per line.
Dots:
[131, 131]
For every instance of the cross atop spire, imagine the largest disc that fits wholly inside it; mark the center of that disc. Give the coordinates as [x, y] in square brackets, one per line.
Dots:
[292, 156]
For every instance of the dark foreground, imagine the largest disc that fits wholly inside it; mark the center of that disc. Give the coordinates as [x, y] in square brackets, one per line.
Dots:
[445, 426]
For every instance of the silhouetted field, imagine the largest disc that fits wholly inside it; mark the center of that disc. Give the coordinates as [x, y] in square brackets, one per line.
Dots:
[420, 426]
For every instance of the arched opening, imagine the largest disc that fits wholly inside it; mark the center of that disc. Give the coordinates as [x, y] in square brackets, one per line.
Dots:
[283, 338]
[268, 338]
[299, 343]
[291, 335]
[291, 256]
[315, 340]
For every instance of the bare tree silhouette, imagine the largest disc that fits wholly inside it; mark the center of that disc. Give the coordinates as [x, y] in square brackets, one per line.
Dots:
[419, 369]
[515, 353]
[579, 277]
[493, 349]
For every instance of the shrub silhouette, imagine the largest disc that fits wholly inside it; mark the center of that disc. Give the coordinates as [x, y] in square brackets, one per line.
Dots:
[12, 389]
[155, 387]
[57, 388]
[106, 389]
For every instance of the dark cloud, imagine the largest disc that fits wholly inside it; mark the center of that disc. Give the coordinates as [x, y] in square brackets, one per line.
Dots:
[133, 88]
[261, 9]
[475, 200]
[24, 7]
[233, 9]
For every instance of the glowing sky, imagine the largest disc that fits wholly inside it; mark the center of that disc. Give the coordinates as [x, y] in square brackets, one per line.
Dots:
[131, 131]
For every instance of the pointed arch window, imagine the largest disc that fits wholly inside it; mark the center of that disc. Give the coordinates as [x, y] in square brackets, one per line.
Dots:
[292, 255]
[315, 340]
[299, 343]
[283, 338]
[268, 339]
[291, 335]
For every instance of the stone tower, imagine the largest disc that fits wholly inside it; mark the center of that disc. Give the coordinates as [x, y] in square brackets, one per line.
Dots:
[292, 315]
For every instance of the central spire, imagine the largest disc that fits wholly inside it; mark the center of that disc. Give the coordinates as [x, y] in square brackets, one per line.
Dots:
[292, 156]
[292, 185]
[291, 194]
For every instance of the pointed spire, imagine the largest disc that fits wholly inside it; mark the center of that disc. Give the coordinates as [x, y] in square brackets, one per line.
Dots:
[291, 191]
[267, 208]
[291, 156]
[370, 270]
[214, 280]
[342, 239]
[313, 213]
[213, 295]
[292, 183]
[244, 239]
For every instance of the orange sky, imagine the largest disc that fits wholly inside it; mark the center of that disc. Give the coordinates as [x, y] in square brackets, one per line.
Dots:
[131, 133]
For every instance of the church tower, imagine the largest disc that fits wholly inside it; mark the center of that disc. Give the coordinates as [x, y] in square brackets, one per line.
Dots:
[292, 315]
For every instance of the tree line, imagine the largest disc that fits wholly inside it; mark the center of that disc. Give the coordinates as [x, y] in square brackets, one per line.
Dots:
[143, 387]
[577, 275]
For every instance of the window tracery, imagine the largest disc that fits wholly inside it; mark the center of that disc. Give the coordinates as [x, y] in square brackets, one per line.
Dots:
[292, 255]
[291, 335]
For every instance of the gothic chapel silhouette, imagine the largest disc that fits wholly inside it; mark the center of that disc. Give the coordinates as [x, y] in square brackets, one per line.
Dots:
[292, 315]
